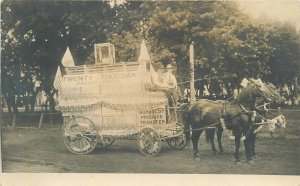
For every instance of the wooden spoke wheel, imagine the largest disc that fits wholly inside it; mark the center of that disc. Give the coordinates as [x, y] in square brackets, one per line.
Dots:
[149, 142]
[178, 143]
[80, 135]
[106, 142]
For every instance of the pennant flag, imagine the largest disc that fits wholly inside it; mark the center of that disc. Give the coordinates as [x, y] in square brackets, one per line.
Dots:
[57, 79]
[144, 55]
[67, 60]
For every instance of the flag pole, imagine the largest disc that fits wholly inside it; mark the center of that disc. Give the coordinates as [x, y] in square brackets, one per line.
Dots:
[192, 78]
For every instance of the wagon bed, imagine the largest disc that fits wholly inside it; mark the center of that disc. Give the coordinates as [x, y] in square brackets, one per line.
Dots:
[104, 102]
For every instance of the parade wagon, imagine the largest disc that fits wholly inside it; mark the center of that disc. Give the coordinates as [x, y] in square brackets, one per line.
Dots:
[106, 101]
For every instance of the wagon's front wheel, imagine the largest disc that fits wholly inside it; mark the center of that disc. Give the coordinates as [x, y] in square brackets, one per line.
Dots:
[177, 143]
[149, 142]
[80, 135]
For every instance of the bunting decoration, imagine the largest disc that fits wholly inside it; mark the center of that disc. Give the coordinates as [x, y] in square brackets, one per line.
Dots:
[142, 106]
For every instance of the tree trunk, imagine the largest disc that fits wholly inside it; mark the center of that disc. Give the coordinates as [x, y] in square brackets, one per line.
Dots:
[51, 105]
[11, 103]
[180, 76]
[296, 86]
[33, 101]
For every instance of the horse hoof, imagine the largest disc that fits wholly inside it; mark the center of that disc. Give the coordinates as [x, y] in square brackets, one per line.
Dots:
[250, 162]
[196, 158]
[214, 152]
[221, 153]
[256, 157]
[238, 162]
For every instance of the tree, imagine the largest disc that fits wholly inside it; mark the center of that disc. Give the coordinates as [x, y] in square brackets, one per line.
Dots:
[130, 27]
[35, 36]
[285, 61]
[34, 30]
[41, 32]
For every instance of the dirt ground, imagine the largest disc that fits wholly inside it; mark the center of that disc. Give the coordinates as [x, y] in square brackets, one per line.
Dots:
[32, 151]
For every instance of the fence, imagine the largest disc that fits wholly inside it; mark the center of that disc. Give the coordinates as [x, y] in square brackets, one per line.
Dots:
[31, 120]
[38, 119]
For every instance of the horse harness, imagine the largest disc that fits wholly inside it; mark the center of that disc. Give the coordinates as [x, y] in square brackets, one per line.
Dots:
[223, 115]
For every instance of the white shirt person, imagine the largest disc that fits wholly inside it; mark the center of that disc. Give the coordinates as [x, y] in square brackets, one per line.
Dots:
[169, 77]
[161, 82]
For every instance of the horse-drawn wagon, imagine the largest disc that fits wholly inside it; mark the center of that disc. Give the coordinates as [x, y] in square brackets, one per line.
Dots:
[103, 102]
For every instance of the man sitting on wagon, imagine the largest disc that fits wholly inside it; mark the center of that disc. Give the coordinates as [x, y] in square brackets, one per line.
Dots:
[165, 82]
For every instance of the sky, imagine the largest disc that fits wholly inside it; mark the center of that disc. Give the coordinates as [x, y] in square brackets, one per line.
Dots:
[282, 10]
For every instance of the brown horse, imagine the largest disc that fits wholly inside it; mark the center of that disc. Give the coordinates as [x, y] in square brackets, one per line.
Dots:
[237, 114]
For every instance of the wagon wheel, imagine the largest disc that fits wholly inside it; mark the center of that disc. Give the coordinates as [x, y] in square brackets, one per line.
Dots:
[178, 143]
[149, 142]
[80, 135]
[106, 142]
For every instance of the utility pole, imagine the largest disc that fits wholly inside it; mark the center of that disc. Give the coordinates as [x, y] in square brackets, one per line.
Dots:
[192, 78]
[296, 101]
[296, 86]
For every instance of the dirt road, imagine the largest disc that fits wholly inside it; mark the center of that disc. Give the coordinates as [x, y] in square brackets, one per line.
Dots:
[31, 150]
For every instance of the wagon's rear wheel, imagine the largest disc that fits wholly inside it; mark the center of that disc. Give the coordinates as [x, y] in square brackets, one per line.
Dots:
[149, 142]
[178, 143]
[80, 135]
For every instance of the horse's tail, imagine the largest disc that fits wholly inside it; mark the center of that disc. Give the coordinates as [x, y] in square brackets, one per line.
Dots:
[184, 120]
[191, 115]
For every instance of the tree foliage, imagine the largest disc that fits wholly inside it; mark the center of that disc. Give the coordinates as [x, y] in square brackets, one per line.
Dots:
[227, 42]
[285, 61]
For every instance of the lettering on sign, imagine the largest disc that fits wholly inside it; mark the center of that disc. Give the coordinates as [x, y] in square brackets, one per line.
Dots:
[105, 78]
[152, 117]
[79, 80]
[118, 76]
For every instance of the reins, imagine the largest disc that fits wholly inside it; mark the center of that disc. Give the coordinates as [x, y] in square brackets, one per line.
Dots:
[201, 128]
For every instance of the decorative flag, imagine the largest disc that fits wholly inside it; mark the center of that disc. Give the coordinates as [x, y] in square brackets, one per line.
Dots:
[144, 56]
[67, 60]
[57, 79]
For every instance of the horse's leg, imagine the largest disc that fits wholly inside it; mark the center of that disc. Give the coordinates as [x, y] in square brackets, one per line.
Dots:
[252, 137]
[219, 137]
[252, 145]
[211, 135]
[247, 144]
[187, 132]
[195, 139]
[253, 153]
[237, 135]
